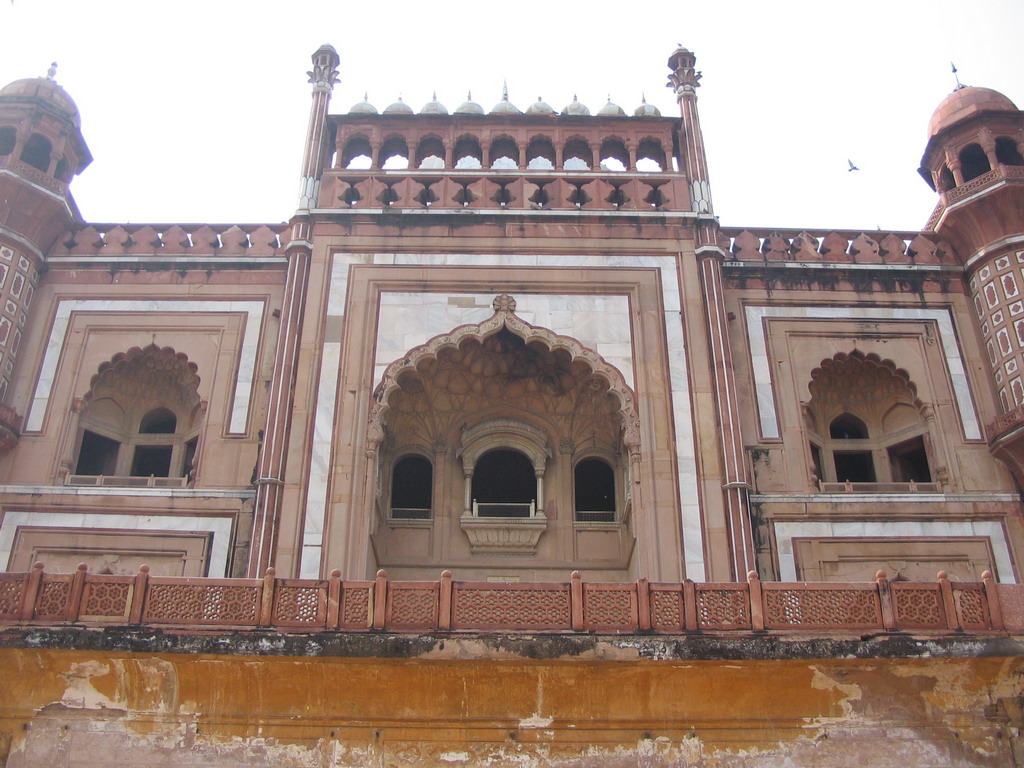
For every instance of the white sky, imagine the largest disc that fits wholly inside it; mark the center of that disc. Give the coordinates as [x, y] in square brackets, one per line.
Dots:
[196, 111]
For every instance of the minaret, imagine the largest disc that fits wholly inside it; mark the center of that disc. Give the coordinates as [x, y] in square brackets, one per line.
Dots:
[684, 80]
[270, 470]
[41, 149]
[974, 159]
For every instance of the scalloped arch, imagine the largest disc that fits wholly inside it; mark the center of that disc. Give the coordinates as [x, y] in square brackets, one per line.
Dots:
[832, 365]
[187, 371]
[505, 317]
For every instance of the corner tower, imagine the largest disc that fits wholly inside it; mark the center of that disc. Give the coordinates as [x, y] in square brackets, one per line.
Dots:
[974, 161]
[41, 149]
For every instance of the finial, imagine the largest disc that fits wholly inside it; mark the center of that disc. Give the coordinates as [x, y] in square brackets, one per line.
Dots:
[469, 95]
[366, 95]
[504, 90]
[574, 97]
[434, 97]
[51, 73]
[956, 77]
[609, 98]
[643, 97]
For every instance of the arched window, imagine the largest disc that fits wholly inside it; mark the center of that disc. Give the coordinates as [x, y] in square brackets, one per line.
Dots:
[504, 154]
[504, 485]
[468, 155]
[8, 135]
[394, 154]
[594, 485]
[540, 154]
[876, 433]
[430, 153]
[357, 154]
[973, 162]
[412, 489]
[37, 152]
[577, 155]
[614, 156]
[1007, 152]
[140, 420]
[650, 156]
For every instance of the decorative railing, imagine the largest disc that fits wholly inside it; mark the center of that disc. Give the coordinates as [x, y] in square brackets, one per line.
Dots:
[127, 481]
[217, 240]
[33, 174]
[504, 509]
[332, 604]
[852, 487]
[811, 247]
[1006, 422]
[984, 180]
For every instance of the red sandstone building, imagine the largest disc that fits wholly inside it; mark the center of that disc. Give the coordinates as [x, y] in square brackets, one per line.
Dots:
[510, 345]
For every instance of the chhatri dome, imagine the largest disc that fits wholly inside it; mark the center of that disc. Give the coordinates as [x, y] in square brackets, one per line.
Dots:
[398, 108]
[434, 107]
[364, 107]
[469, 107]
[43, 89]
[966, 102]
[575, 108]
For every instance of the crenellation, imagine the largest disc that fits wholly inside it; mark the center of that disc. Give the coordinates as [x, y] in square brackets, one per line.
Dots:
[161, 240]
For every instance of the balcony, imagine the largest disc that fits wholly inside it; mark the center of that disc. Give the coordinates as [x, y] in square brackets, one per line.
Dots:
[503, 528]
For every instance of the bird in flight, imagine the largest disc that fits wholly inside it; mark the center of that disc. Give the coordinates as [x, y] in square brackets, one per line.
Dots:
[852, 166]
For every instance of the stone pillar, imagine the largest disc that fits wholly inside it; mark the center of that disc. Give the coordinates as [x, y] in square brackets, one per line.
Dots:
[685, 80]
[323, 76]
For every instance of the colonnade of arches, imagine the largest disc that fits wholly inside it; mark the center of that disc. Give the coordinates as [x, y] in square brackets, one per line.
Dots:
[976, 159]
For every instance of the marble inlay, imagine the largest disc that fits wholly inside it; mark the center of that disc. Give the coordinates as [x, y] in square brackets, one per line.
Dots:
[244, 377]
[764, 385]
[785, 532]
[220, 527]
[599, 321]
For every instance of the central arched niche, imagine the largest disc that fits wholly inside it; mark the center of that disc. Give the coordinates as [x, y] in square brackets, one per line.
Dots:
[502, 385]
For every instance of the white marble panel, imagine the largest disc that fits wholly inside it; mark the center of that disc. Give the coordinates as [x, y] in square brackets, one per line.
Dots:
[245, 376]
[785, 532]
[601, 322]
[220, 527]
[943, 319]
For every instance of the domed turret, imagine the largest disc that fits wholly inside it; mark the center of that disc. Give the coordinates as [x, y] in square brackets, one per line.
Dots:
[434, 107]
[965, 103]
[42, 91]
[398, 108]
[505, 107]
[364, 107]
[646, 110]
[540, 107]
[575, 108]
[469, 107]
[611, 110]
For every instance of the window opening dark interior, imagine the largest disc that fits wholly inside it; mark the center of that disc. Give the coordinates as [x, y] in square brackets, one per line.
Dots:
[159, 421]
[37, 152]
[909, 462]
[848, 427]
[1006, 152]
[190, 456]
[412, 489]
[595, 491]
[152, 460]
[7, 138]
[504, 480]
[973, 162]
[98, 455]
[816, 460]
[854, 466]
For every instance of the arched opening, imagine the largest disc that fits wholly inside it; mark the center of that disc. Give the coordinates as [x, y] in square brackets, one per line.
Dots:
[1007, 151]
[594, 486]
[540, 154]
[973, 162]
[650, 156]
[8, 135]
[614, 156]
[430, 153]
[140, 419]
[357, 154]
[876, 431]
[37, 152]
[394, 154]
[946, 180]
[504, 155]
[504, 485]
[468, 154]
[412, 488]
[577, 155]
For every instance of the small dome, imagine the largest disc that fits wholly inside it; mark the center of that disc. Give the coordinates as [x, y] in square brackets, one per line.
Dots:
[646, 110]
[540, 107]
[42, 89]
[505, 107]
[434, 107]
[611, 110]
[364, 107]
[469, 107]
[398, 108]
[575, 108]
[967, 102]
